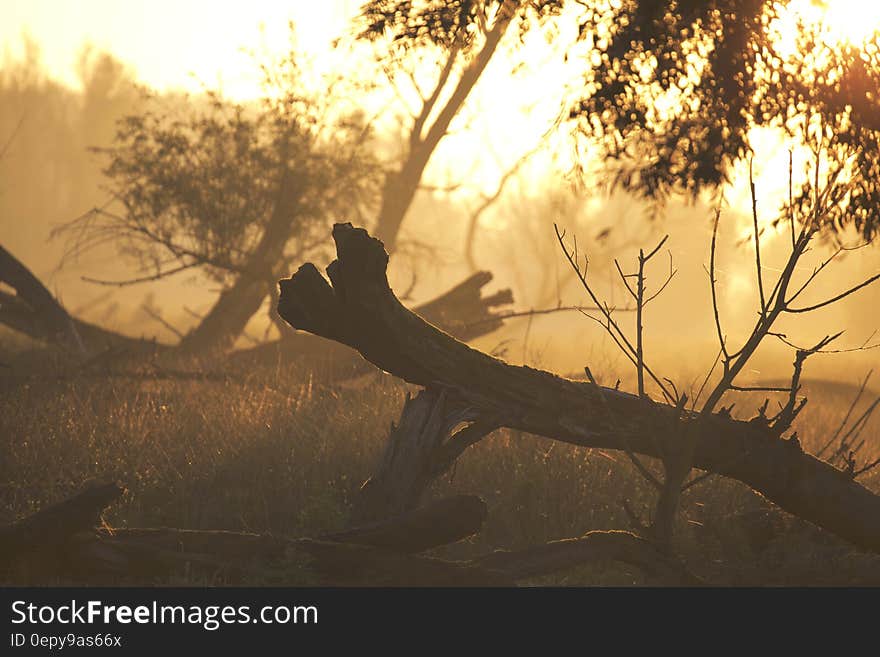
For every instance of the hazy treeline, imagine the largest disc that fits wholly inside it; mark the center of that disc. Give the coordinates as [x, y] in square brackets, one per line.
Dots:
[49, 176]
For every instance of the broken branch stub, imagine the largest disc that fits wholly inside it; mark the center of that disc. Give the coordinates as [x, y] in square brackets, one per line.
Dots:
[357, 308]
[420, 448]
[463, 311]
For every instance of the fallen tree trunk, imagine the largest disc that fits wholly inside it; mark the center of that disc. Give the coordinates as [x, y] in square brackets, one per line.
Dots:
[463, 311]
[34, 311]
[357, 308]
[70, 542]
[33, 297]
[560, 555]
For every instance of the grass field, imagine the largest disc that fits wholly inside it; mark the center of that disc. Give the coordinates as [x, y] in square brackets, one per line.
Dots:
[279, 452]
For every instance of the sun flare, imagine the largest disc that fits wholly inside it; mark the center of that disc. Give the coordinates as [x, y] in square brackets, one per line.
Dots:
[854, 21]
[839, 21]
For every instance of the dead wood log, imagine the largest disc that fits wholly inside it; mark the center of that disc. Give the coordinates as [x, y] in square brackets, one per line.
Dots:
[41, 541]
[421, 447]
[463, 311]
[68, 540]
[34, 300]
[363, 565]
[357, 308]
[34, 311]
[436, 523]
[593, 546]
[56, 523]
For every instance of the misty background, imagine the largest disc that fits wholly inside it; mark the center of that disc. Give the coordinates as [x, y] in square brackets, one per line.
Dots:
[71, 70]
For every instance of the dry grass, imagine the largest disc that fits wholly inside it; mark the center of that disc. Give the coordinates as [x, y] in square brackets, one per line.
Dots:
[282, 454]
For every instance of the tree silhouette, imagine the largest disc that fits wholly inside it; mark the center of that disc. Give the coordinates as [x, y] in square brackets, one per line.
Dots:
[461, 37]
[673, 89]
[234, 191]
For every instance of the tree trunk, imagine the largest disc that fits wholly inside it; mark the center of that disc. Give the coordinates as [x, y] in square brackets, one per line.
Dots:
[358, 308]
[226, 320]
[69, 541]
[462, 311]
[397, 195]
[34, 311]
[32, 294]
[414, 455]
[401, 186]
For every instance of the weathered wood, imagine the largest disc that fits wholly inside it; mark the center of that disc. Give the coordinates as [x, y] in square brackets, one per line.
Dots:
[363, 565]
[462, 311]
[416, 453]
[64, 542]
[358, 308]
[34, 311]
[68, 541]
[436, 523]
[58, 522]
[35, 303]
[593, 546]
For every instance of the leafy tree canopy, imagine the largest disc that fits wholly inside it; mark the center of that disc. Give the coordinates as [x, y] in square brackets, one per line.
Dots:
[447, 24]
[673, 89]
[199, 182]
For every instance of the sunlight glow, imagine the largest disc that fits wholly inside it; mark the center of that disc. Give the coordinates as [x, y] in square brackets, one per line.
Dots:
[837, 21]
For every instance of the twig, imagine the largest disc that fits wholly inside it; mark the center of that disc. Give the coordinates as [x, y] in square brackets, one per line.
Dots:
[847, 416]
[713, 281]
[143, 279]
[156, 316]
[760, 274]
[610, 325]
[643, 470]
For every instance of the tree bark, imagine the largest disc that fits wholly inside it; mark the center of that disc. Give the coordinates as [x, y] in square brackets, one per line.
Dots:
[401, 186]
[67, 540]
[417, 452]
[234, 308]
[462, 311]
[358, 308]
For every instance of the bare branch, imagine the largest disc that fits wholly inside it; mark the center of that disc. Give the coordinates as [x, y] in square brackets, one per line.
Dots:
[760, 274]
[713, 282]
[143, 279]
[156, 316]
[848, 414]
[610, 325]
[836, 298]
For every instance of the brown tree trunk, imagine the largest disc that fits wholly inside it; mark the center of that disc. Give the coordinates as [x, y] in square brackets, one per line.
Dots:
[69, 541]
[226, 320]
[358, 308]
[462, 311]
[35, 312]
[401, 186]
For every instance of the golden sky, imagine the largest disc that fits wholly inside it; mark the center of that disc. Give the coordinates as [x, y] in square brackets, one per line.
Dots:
[188, 43]
[167, 42]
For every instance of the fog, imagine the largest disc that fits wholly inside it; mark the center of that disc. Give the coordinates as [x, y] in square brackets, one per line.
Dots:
[49, 177]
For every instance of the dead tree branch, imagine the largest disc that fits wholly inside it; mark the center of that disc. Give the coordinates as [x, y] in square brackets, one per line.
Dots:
[358, 308]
